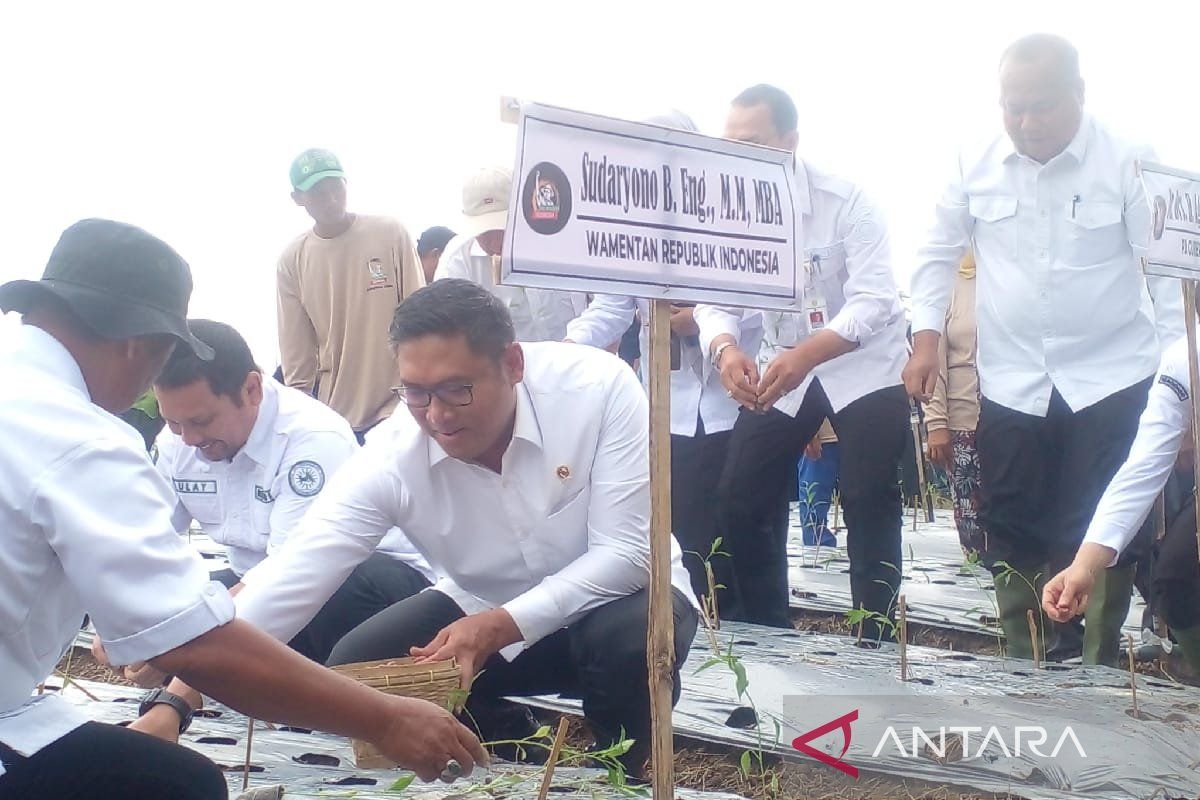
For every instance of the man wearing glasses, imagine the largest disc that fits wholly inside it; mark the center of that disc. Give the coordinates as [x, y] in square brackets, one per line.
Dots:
[521, 473]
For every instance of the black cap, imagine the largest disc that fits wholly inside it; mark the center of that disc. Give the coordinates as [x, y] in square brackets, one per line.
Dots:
[121, 281]
[435, 238]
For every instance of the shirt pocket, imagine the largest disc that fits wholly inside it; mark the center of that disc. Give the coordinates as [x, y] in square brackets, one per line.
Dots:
[1095, 233]
[564, 531]
[995, 218]
[825, 264]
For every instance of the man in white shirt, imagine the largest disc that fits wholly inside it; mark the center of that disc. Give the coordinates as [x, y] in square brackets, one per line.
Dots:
[247, 457]
[1163, 437]
[1069, 328]
[521, 472]
[841, 360]
[539, 315]
[87, 528]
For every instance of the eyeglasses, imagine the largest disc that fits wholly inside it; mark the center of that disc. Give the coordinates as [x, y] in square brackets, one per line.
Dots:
[419, 397]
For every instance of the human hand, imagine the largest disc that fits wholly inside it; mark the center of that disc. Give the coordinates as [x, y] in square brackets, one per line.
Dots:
[470, 641]
[425, 738]
[785, 372]
[921, 372]
[941, 451]
[739, 376]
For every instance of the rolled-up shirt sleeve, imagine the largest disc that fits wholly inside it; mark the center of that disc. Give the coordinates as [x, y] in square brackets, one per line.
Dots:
[145, 589]
[1127, 501]
[870, 287]
[617, 561]
[341, 529]
[947, 242]
[603, 322]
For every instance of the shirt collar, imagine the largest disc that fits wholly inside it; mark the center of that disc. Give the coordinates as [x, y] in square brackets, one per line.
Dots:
[525, 427]
[258, 446]
[41, 351]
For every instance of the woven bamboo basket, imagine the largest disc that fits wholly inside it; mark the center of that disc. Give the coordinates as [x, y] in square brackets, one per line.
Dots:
[436, 682]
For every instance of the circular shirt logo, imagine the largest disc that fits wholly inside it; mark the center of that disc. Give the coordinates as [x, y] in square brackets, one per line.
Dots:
[306, 478]
[546, 199]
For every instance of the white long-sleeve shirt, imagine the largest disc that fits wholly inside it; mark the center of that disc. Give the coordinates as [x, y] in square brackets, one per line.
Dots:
[252, 502]
[696, 390]
[1167, 419]
[538, 315]
[848, 264]
[1062, 302]
[86, 524]
[564, 528]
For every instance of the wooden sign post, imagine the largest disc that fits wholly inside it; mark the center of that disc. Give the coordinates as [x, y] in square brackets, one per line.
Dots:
[1173, 251]
[601, 205]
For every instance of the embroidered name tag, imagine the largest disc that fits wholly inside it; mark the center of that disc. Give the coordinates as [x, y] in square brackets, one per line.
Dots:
[1175, 386]
[184, 486]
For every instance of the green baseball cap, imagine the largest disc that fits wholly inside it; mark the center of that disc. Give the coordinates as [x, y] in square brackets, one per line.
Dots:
[312, 166]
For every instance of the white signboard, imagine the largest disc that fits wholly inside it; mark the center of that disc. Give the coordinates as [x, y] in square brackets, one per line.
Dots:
[1174, 197]
[604, 205]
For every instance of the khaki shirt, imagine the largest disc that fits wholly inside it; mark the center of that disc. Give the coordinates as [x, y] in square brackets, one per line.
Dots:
[336, 298]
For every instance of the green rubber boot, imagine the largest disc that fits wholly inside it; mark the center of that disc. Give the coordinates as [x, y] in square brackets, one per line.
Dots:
[1189, 644]
[1107, 608]
[1018, 593]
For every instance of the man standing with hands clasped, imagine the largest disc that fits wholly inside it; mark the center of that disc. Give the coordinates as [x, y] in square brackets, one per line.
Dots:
[841, 360]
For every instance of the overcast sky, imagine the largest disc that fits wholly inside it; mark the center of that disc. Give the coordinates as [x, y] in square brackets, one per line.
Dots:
[185, 121]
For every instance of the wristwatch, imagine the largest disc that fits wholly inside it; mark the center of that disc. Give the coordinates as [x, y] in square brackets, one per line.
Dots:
[161, 696]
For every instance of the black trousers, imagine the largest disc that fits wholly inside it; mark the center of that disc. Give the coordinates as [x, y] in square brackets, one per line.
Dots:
[1043, 476]
[1175, 586]
[696, 465]
[601, 658]
[106, 762]
[754, 491]
[375, 584]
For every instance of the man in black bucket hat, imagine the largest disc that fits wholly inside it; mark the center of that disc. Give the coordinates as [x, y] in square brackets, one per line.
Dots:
[87, 528]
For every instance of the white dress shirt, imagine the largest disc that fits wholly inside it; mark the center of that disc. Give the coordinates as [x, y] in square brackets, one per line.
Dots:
[696, 390]
[1062, 302]
[87, 528]
[1167, 419]
[251, 502]
[848, 265]
[539, 315]
[563, 529]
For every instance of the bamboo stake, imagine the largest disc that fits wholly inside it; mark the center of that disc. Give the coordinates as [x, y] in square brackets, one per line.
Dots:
[1132, 676]
[837, 508]
[660, 645]
[249, 745]
[1033, 638]
[559, 738]
[902, 614]
[1189, 316]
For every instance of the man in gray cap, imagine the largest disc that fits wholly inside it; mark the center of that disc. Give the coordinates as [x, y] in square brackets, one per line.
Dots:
[87, 528]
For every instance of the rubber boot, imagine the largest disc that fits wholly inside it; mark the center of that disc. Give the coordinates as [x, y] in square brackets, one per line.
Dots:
[1106, 611]
[1189, 644]
[1015, 600]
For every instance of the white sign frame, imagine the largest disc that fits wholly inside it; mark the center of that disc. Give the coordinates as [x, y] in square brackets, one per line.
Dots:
[655, 283]
[1163, 260]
